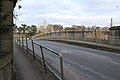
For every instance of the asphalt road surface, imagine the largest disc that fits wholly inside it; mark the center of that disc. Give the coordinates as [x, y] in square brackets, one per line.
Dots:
[83, 63]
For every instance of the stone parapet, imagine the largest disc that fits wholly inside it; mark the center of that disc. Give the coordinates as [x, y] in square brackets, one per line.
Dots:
[6, 39]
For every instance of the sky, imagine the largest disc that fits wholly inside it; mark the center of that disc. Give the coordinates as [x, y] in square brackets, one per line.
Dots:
[68, 12]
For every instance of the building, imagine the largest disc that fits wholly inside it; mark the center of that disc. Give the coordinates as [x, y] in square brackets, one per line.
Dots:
[114, 35]
[6, 39]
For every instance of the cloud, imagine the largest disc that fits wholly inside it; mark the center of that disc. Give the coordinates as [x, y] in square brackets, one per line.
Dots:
[87, 12]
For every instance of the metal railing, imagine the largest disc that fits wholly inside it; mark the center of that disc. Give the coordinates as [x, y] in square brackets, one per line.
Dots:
[98, 37]
[41, 47]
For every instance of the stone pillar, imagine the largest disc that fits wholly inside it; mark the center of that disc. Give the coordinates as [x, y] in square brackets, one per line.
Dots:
[6, 39]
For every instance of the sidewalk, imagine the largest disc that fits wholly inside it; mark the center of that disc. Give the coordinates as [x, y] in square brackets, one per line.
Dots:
[93, 43]
[26, 68]
[90, 45]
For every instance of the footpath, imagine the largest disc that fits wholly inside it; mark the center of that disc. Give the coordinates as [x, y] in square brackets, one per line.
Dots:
[93, 45]
[25, 68]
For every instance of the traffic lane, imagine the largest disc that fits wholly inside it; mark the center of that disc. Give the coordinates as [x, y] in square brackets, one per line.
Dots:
[73, 63]
[94, 67]
[63, 47]
[98, 67]
[95, 63]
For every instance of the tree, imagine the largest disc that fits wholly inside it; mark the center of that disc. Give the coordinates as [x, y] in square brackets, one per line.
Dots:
[49, 28]
[28, 29]
[15, 28]
[93, 28]
[83, 27]
[88, 28]
[24, 28]
[57, 27]
[33, 30]
[98, 28]
[69, 28]
[19, 29]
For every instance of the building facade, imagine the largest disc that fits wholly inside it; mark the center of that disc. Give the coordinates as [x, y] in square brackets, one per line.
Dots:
[6, 39]
[114, 35]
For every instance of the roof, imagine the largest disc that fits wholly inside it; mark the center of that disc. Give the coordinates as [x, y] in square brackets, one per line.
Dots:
[115, 28]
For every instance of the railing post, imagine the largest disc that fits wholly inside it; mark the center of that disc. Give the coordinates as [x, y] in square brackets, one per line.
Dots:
[19, 40]
[26, 44]
[22, 40]
[16, 39]
[96, 36]
[33, 49]
[83, 34]
[43, 59]
[66, 33]
[61, 63]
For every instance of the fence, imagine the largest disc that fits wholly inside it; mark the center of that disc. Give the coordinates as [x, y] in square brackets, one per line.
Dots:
[101, 37]
[25, 43]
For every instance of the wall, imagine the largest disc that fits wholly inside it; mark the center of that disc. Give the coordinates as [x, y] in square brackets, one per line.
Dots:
[6, 39]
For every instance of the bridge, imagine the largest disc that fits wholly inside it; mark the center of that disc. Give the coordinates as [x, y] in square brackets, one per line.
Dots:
[42, 59]
[60, 58]
[61, 61]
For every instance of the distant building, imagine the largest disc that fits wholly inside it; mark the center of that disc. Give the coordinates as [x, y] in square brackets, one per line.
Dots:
[114, 35]
[42, 29]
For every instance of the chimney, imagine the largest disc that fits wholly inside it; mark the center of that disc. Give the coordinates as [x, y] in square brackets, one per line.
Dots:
[111, 22]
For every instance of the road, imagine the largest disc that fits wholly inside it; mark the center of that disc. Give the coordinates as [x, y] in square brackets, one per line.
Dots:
[83, 63]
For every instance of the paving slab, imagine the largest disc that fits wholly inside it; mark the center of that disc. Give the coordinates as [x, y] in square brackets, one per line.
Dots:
[25, 67]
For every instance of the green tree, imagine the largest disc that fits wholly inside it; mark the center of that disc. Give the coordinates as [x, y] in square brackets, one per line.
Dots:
[24, 28]
[28, 29]
[57, 27]
[33, 30]
[19, 31]
[15, 28]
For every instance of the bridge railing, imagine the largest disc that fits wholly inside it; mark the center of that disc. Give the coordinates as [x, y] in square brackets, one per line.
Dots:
[98, 37]
[24, 43]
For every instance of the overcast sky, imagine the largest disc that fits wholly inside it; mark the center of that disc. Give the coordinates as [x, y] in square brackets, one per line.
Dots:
[69, 12]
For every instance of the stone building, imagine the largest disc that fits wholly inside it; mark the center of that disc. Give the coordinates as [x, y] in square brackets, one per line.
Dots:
[114, 35]
[6, 39]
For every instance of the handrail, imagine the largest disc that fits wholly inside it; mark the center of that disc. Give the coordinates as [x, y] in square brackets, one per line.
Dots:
[55, 52]
[44, 63]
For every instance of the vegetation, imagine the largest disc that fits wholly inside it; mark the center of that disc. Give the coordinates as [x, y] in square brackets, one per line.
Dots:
[25, 29]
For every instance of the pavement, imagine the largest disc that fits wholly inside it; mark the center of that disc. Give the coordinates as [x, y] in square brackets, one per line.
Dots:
[93, 45]
[26, 69]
